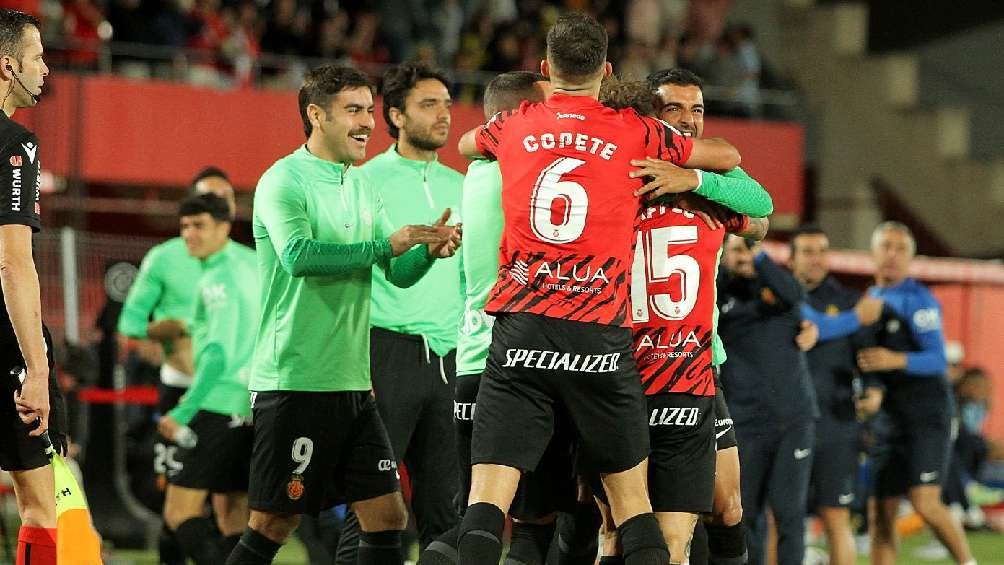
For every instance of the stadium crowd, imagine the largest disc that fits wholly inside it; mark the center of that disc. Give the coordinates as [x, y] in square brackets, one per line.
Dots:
[221, 43]
[598, 378]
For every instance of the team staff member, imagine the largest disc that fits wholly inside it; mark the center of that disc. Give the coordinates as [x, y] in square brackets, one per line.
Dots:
[909, 355]
[840, 313]
[414, 333]
[558, 342]
[30, 409]
[216, 407]
[319, 229]
[769, 393]
[158, 307]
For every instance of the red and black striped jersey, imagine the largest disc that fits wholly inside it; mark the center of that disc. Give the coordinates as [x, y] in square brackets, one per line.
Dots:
[673, 298]
[569, 206]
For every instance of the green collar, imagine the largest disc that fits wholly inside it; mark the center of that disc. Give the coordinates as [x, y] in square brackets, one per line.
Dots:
[337, 169]
[410, 163]
[220, 256]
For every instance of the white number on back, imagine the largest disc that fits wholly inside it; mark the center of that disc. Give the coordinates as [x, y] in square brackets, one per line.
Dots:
[654, 262]
[550, 189]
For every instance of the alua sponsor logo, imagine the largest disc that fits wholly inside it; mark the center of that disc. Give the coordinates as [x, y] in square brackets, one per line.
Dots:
[671, 341]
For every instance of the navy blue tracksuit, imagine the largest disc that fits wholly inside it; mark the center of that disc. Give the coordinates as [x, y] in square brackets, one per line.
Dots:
[773, 404]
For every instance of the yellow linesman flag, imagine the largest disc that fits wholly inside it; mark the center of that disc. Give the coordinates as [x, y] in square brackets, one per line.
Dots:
[77, 543]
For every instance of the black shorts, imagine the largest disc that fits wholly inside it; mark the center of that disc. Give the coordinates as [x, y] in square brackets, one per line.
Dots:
[550, 488]
[221, 458]
[834, 464]
[18, 450]
[538, 366]
[681, 467]
[919, 442]
[314, 450]
[165, 452]
[725, 431]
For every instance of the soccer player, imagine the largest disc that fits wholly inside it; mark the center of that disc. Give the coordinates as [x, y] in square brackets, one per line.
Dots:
[215, 408]
[769, 393]
[539, 494]
[158, 307]
[840, 313]
[561, 334]
[909, 356]
[31, 409]
[680, 97]
[415, 328]
[320, 228]
[680, 350]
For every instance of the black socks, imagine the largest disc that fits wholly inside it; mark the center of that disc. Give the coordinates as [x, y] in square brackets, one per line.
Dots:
[481, 535]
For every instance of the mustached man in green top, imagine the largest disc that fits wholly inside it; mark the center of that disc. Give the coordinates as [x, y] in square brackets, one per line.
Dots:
[154, 323]
[319, 228]
[215, 412]
[414, 329]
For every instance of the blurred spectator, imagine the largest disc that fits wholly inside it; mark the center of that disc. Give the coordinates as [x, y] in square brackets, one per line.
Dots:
[955, 353]
[286, 29]
[972, 450]
[748, 57]
[81, 19]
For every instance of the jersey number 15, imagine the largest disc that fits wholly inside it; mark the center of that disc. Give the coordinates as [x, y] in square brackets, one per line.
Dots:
[655, 263]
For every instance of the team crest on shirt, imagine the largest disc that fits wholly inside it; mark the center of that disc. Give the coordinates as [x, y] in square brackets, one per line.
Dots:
[15, 161]
[832, 310]
[767, 295]
[294, 488]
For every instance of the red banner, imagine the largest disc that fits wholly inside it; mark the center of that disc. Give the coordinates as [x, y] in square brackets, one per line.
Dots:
[148, 133]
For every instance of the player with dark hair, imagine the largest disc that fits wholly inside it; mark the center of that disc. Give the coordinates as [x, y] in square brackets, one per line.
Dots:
[214, 415]
[32, 410]
[561, 339]
[320, 228]
[908, 354]
[676, 344]
[414, 329]
[158, 308]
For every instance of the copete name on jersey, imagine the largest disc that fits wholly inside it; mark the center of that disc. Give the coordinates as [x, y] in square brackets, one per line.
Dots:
[581, 142]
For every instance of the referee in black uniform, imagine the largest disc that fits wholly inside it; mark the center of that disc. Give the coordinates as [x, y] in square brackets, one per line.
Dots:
[29, 412]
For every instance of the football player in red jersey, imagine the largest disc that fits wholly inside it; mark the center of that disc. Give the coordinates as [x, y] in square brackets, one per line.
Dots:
[561, 335]
[673, 310]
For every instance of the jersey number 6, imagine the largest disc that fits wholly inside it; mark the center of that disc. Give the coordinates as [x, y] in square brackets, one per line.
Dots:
[653, 263]
[550, 189]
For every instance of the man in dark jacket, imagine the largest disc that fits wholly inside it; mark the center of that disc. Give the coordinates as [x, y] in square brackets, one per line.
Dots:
[770, 395]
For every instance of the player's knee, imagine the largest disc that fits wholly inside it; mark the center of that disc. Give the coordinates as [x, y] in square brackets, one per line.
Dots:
[382, 514]
[732, 513]
[276, 527]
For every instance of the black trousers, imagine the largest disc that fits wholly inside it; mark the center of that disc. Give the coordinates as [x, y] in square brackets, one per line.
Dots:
[414, 394]
[776, 463]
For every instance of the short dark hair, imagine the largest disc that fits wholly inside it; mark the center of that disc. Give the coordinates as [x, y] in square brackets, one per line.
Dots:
[677, 76]
[635, 94]
[323, 83]
[209, 172]
[398, 81]
[207, 203]
[807, 229]
[576, 46]
[507, 90]
[12, 24]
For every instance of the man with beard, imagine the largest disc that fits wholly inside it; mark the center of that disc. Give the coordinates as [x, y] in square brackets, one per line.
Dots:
[415, 329]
